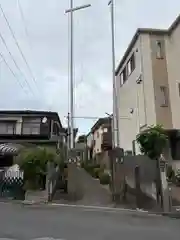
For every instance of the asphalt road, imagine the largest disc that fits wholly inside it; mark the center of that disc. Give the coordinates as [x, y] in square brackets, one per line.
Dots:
[74, 223]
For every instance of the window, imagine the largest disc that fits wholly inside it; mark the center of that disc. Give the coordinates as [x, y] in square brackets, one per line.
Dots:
[131, 64]
[164, 96]
[159, 50]
[7, 127]
[121, 79]
[10, 128]
[2, 128]
[123, 76]
[129, 68]
[179, 89]
[31, 126]
[105, 130]
[97, 134]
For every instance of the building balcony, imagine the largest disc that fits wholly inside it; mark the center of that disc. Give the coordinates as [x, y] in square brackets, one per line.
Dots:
[20, 131]
[106, 141]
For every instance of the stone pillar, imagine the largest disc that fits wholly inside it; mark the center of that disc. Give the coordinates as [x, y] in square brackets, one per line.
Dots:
[50, 170]
[74, 182]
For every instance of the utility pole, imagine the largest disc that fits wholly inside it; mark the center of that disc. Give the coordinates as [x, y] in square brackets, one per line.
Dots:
[115, 117]
[68, 132]
[71, 10]
[71, 77]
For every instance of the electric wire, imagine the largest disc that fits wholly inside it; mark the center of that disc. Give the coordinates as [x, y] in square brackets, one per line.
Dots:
[12, 72]
[15, 63]
[24, 23]
[17, 44]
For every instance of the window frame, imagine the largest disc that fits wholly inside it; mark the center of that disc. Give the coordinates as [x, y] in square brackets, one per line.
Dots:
[28, 125]
[164, 92]
[179, 89]
[13, 126]
[128, 69]
[124, 75]
[131, 64]
[159, 50]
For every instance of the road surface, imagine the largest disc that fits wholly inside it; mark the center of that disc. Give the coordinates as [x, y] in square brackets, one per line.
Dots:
[75, 223]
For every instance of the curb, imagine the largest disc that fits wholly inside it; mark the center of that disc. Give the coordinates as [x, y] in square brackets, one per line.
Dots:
[113, 209]
[171, 215]
[32, 202]
[175, 215]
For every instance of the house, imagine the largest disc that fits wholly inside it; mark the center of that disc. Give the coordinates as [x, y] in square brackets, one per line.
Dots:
[102, 140]
[148, 83]
[89, 143]
[81, 148]
[26, 126]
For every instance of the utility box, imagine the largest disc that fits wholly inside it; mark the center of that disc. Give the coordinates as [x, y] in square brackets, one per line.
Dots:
[117, 155]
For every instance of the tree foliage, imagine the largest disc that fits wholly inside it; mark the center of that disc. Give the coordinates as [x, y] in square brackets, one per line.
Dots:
[152, 141]
[81, 139]
[33, 161]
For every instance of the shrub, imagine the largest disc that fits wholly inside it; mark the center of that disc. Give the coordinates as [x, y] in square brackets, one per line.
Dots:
[96, 172]
[82, 164]
[89, 168]
[170, 173]
[96, 165]
[33, 161]
[104, 178]
[152, 141]
[92, 169]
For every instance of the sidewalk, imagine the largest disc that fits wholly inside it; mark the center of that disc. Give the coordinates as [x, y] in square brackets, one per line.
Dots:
[35, 197]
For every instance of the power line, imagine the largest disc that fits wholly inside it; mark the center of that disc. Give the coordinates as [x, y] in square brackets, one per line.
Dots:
[15, 63]
[3, 58]
[17, 44]
[24, 22]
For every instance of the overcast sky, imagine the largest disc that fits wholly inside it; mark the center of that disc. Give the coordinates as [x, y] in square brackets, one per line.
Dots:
[41, 28]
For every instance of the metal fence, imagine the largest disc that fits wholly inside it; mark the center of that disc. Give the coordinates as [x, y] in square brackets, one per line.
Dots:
[11, 183]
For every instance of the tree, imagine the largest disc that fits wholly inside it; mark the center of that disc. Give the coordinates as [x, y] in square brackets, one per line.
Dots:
[33, 161]
[152, 141]
[82, 139]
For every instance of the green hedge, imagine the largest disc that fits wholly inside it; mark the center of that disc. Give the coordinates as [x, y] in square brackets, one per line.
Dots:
[97, 172]
[90, 168]
[170, 173]
[104, 178]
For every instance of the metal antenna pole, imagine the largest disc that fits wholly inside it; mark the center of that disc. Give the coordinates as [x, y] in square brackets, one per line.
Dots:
[70, 11]
[116, 139]
[71, 78]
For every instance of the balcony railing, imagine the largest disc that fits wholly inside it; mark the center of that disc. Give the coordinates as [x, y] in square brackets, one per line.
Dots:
[19, 128]
[106, 141]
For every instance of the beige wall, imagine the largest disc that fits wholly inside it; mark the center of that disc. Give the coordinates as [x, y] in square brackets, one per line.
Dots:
[160, 78]
[173, 67]
[145, 98]
[136, 96]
